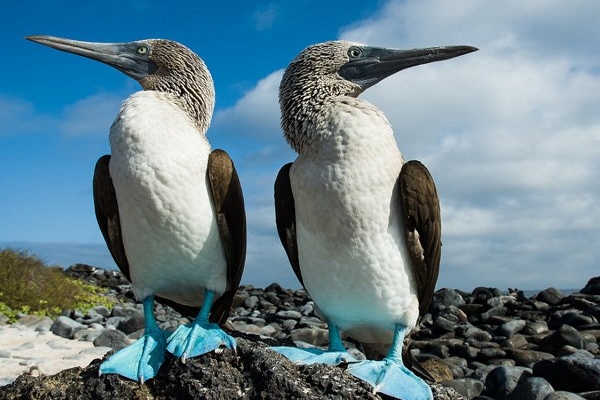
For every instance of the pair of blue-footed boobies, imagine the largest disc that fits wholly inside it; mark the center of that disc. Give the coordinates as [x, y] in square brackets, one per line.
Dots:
[361, 228]
[171, 210]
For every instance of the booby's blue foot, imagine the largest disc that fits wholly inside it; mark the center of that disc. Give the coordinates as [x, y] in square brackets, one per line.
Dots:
[196, 339]
[200, 336]
[390, 376]
[334, 355]
[141, 360]
[314, 356]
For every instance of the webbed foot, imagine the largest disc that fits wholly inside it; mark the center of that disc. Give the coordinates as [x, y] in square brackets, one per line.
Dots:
[392, 378]
[314, 356]
[198, 338]
[141, 360]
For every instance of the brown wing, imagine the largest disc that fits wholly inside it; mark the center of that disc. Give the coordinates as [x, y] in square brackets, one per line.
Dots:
[107, 213]
[285, 218]
[422, 219]
[231, 218]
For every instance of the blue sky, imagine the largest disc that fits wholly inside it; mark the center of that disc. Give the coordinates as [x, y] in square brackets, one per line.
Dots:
[511, 134]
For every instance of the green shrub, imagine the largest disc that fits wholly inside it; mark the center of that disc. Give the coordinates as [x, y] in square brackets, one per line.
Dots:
[28, 285]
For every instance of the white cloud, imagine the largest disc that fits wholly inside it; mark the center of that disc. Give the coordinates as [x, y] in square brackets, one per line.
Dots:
[256, 114]
[264, 19]
[19, 116]
[92, 115]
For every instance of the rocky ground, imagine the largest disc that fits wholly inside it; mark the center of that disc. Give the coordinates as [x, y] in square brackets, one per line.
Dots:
[485, 345]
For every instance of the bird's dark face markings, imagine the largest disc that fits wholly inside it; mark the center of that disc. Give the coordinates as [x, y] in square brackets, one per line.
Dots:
[157, 64]
[369, 65]
[324, 72]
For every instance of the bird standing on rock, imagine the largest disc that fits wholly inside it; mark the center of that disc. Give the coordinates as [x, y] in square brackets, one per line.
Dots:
[361, 228]
[171, 210]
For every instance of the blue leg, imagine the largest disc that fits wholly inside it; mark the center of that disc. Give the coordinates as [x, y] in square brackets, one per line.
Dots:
[141, 360]
[200, 336]
[390, 376]
[334, 355]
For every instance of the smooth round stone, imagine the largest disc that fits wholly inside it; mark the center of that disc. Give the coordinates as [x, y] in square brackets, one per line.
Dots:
[468, 387]
[438, 369]
[102, 310]
[291, 314]
[502, 381]
[493, 312]
[566, 335]
[550, 296]
[511, 327]
[447, 297]
[111, 338]
[533, 388]
[517, 341]
[561, 395]
[579, 372]
[289, 324]
[490, 353]
[306, 309]
[534, 328]
[527, 358]
[472, 332]
[316, 336]
[592, 286]
[272, 298]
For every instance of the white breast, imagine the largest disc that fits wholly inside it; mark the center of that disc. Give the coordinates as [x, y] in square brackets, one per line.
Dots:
[349, 232]
[158, 166]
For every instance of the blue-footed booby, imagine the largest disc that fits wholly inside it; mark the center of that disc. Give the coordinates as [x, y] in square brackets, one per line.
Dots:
[361, 228]
[171, 210]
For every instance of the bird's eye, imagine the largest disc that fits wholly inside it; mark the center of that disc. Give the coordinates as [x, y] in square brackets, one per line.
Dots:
[142, 50]
[354, 52]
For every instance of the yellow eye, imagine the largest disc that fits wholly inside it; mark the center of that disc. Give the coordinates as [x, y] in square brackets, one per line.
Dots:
[354, 52]
[142, 50]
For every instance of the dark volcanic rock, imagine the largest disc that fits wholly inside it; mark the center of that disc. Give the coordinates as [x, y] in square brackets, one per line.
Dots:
[252, 372]
[592, 287]
[111, 338]
[550, 296]
[565, 336]
[486, 340]
[579, 372]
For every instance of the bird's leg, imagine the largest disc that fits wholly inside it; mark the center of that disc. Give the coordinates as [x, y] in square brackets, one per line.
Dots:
[141, 360]
[199, 337]
[335, 354]
[390, 376]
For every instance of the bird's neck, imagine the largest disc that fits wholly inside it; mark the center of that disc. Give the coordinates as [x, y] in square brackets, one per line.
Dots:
[196, 97]
[301, 118]
[200, 109]
[311, 124]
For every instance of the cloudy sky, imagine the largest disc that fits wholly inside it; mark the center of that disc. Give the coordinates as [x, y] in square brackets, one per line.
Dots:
[511, 133]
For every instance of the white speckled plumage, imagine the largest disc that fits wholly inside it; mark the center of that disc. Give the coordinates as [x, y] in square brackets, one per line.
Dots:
[348, 223]
[167, 219]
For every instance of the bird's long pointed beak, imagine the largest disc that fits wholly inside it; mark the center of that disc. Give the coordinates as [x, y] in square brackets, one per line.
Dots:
[375, 63]
[126, 57]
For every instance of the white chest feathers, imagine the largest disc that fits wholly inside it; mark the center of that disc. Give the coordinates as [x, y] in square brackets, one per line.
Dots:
[158, 167]
[349, 230]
